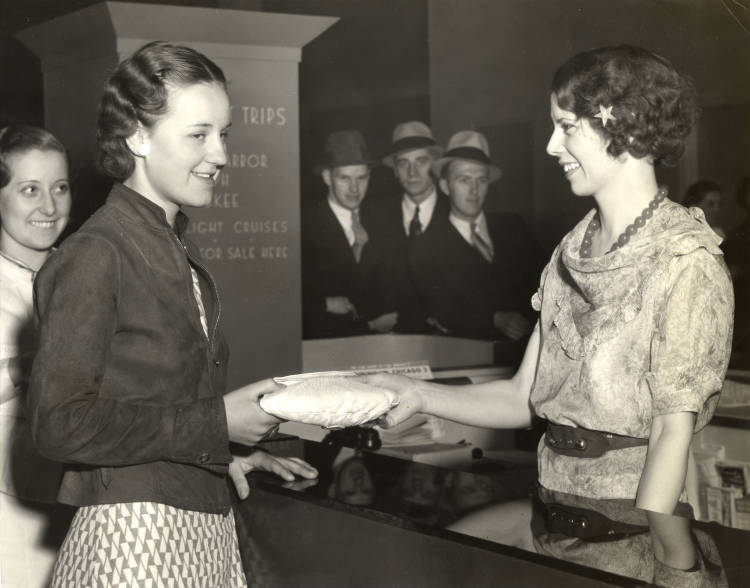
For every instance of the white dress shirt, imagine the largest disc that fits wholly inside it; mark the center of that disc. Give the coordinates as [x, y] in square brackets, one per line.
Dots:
[344, 216]
[464, 228]
[426, 208]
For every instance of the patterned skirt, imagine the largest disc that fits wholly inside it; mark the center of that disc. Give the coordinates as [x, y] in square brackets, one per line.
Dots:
[146, 544]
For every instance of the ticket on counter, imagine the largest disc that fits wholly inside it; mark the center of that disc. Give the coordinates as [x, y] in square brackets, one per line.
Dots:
[418, 370]
[297, 378]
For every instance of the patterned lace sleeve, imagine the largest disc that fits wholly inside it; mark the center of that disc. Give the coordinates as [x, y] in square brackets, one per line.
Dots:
[691, 346]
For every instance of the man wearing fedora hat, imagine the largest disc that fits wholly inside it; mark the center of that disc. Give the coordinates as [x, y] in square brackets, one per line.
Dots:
[476, 272]
[413, 151]
[402, 221]
[341, 266]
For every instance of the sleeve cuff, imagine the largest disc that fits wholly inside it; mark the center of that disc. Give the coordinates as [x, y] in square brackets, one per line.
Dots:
[201, 435]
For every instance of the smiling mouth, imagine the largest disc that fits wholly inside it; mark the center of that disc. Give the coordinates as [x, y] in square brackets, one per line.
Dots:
[571, 167]
[211, 177]
[43, 224]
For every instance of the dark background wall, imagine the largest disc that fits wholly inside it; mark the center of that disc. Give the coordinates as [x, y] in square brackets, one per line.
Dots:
[491, 64]
[483, 64]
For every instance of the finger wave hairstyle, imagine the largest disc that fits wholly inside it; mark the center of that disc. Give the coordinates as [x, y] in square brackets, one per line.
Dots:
[137, 92]
[20, 138]
[654, 106]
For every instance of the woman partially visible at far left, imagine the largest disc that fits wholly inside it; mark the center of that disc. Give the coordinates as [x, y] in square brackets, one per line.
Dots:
[34, 207]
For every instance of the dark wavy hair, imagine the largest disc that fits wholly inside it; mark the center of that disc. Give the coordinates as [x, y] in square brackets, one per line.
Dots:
[698, 190]
[654, 106]
[137, 92]
[19, 138]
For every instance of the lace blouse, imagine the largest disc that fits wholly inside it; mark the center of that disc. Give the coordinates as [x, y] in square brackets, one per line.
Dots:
[642, 331]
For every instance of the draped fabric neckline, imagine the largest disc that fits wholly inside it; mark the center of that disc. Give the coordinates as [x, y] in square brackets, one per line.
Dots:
[606, 291]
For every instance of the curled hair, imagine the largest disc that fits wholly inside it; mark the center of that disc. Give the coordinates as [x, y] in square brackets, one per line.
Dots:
[654, 106]
[698, 190]
[20, 138]
[137, 92]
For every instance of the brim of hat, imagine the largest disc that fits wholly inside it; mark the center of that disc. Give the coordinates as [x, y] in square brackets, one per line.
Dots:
[371, 163]
[390, 159]
[494, 171]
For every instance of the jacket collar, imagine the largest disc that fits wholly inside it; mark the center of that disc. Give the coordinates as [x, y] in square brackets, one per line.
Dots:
[141, 209]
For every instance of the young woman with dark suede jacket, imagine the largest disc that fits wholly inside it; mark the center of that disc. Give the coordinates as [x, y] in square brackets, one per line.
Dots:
[128, 387]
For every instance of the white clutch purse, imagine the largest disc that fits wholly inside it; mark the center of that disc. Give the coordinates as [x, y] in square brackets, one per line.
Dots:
[330, 399]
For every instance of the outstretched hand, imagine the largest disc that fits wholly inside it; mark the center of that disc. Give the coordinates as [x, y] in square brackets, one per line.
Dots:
[284, 467]
[407, 390]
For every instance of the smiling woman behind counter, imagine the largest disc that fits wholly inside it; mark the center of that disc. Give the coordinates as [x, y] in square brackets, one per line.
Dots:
[629, 354]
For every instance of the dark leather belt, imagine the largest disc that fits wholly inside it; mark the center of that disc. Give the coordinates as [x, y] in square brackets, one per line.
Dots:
[580, 442]
[584, 523]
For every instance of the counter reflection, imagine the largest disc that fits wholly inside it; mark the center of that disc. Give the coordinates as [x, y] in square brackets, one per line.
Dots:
[502, 503]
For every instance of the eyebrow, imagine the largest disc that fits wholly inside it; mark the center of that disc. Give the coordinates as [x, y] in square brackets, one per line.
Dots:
[353, 177]
[37, 181]
[208, 125]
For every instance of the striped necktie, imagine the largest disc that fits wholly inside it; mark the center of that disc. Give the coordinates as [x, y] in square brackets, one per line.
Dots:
[360, 236]
[415, 227]
[480, 244]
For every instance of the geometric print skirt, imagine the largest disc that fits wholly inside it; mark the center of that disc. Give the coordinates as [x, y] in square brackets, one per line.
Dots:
[149, 545]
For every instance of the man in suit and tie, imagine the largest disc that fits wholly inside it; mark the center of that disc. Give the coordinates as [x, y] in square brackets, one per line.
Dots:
[476, 272]
[341, 266]
[401, 222]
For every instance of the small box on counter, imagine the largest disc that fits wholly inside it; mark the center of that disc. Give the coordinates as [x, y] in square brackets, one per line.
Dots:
[720, 505]
[741, 513]
[734, 474]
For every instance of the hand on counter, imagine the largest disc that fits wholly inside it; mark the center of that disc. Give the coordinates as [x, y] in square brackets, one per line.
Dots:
[340, 305]
[433, 322]
[384, 323]
[247, 422]
[285, 467]
[300, 485]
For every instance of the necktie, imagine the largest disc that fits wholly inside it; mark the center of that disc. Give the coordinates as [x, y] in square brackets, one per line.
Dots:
[415, 227]
[480, 244]
[360, 236]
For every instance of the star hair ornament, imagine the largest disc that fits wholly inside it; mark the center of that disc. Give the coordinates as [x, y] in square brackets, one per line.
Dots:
[605, 114]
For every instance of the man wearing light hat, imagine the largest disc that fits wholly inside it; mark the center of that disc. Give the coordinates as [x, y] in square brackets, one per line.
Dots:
[474, 271]
[413, 152]
[341, 266]
[401, 222]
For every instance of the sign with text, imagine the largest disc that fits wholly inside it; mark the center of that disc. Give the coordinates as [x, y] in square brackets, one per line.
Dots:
[249, 236]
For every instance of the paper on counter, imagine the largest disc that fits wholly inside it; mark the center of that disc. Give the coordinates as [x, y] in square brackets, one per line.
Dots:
[297, 378]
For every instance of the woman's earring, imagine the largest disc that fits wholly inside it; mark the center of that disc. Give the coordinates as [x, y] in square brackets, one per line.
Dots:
[144, 149]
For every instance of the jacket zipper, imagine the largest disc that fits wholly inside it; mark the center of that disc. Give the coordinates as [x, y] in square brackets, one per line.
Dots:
[209, 278]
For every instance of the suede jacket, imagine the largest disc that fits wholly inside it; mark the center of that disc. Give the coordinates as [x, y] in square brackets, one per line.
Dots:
[126, 389]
